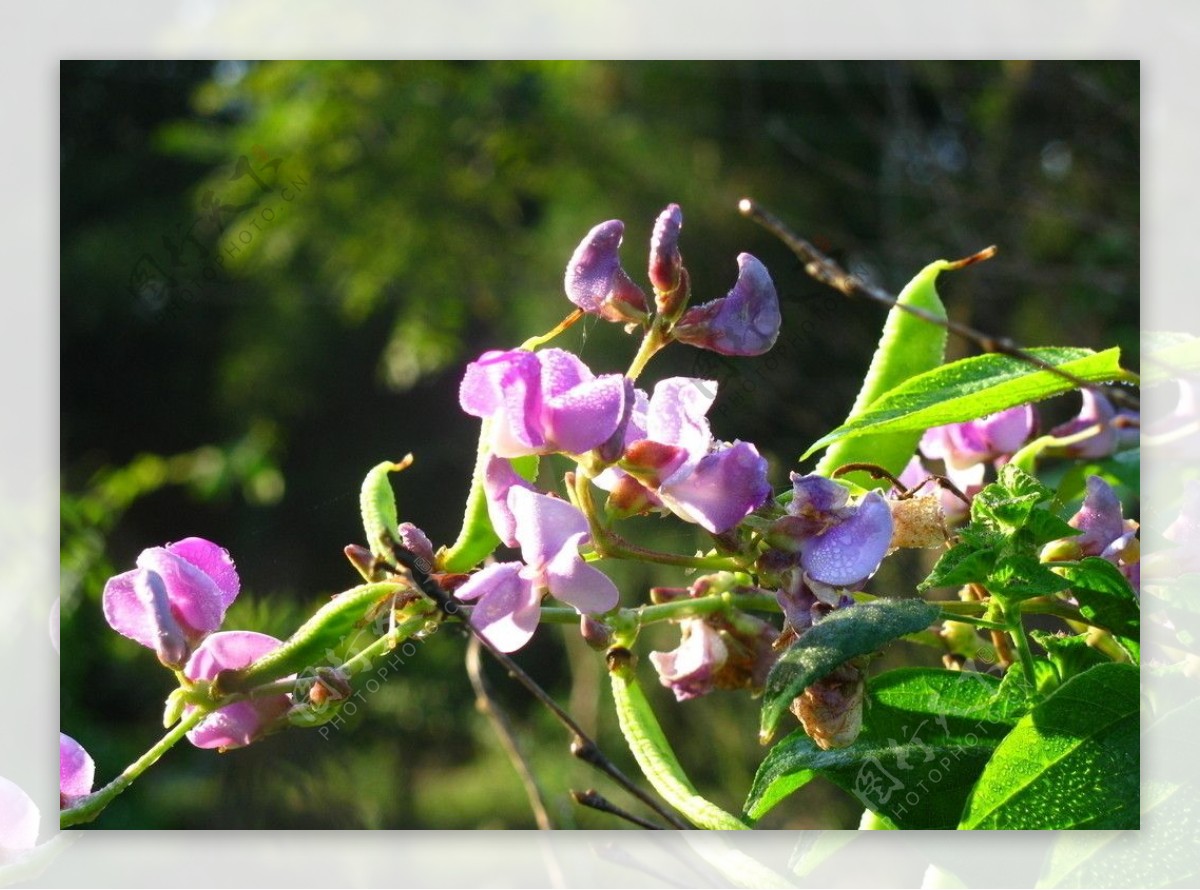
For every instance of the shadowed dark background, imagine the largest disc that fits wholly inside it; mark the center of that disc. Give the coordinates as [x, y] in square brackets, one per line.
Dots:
[273, 273]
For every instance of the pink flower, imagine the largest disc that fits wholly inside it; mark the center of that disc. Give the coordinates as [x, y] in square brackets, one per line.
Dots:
[177, 596]
[76, 771]
[543, 402]
[670, 450]
[243, 722]
[690, 670]
[549, 532]
[967, 447]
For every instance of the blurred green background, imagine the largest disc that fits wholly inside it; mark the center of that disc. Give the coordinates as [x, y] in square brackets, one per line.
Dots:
[273, 273]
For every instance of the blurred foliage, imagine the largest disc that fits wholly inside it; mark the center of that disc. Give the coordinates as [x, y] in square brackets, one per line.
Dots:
[297, 257]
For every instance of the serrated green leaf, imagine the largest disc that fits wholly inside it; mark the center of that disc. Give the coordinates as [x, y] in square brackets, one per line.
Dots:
[1104, 595]
[1019, 483]
[1042, 527]
[975, 387]
[1070, 654]
[843, 634]
[1021, 576]
[1071, 762]
[1000, 509]
[926, 736]
[909, 346]
[961, 564]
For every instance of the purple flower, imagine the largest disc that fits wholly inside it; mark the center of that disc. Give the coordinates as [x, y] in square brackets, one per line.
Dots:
[671, 451]
[19, 818]
[1105, 532]
[177, 596]
[549, 532]
[595, 281]
[543, 402]
[689, 671]
[1116, 429]
[963, 446]
[76, 771]
[838, 545]
[243, 722]
[743, 322]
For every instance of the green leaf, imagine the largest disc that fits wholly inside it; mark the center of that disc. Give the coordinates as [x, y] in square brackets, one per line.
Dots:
[927, 734]
[909, 346]
[1070, 654]
[974, 387]
[1105, 597]
[843, 634]
[1071, 762]
[1022, 576]
[961, 564]
[308, 646]
[1043, 527]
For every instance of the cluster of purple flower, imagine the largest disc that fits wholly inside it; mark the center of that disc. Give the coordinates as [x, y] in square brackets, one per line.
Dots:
[649, 451]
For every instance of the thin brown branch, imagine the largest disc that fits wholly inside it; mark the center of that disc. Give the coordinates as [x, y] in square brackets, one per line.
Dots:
[827, 271]
[596, 801]
[504, 730]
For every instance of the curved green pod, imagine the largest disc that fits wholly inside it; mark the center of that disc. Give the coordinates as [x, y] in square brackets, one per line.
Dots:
[653, 753]
[910, 345]
[307, 647]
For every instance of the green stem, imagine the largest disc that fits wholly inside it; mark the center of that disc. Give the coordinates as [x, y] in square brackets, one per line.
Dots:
[654, 754]
[92, 805]
[971, 619]
[654, 340]
[1016, 630]
[534, 342]
[612, 546]
[672, 611]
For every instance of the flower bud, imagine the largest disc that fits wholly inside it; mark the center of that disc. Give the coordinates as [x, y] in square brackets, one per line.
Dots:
[629, 498]
[595, 281]
[364, 562]
[76, 771]
[652, 462]
[595, 633]
[665, 261]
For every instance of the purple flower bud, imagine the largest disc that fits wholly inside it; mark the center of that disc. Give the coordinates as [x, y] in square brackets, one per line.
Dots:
[178, 595]
[76, 772]
[543, 402]
[595, 281]
[689, 670]
[596, 634]
[418, 544]
[243, 722]
[665, 261]
[743, 322]
[19, 818]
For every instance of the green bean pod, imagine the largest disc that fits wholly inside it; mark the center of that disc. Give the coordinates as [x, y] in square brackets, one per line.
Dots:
[653, 753]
